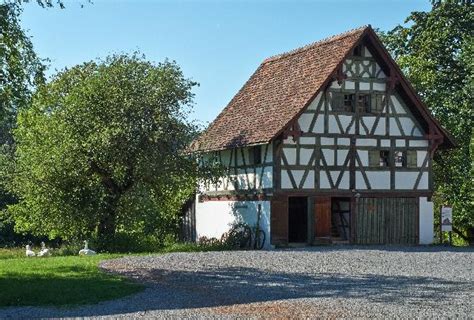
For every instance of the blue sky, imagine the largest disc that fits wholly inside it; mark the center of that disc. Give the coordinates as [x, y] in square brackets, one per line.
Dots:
[217, 43]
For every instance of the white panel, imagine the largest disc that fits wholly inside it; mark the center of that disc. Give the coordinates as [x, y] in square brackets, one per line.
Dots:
[400, 143]
[364, 85]
[308, 140]
[341, 156]
[305, 156]
[360, 182]
[380, 130]
[335, 85]
[394, 131]
[364, 157]
[269, 153]
[251, 178]
[366, 52]
[214, 218]
[420, 157]
[267, 177]
[329, 156]
[382, 74]
[349, 85]
[417, 133]
[319, 124]
[242, 179]
[407, 125]
[424, 182]
[405, 180]
[334, 175]
[345, 121]
[369, 123]
[309, 182]
[315, 102]
[290, 154]
[376, 86]
[397, 105]
[327, 141]
[323, 180]
[305, 121]
[297, 175]
[385, 143]
[379, 179]
[366, 142]
[344, 184]
[343, 141]
[426, 231]
[333, 127]
[419, 143]
[285, 180]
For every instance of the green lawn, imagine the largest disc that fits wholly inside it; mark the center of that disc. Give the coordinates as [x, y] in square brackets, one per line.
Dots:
[58, 281]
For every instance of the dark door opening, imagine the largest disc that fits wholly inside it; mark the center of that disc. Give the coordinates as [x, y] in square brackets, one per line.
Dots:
[297, 219]
[341, 219]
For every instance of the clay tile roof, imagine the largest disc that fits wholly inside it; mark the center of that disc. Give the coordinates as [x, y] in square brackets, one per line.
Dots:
[274, 95]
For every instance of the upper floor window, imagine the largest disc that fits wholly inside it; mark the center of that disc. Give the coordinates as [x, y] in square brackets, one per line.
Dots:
[379, 158]
[401, 159]
[363, 103]
[358, 51]
[255, 155]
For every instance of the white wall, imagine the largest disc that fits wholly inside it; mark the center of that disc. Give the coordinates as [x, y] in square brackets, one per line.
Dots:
[426, 231]
[213, 218]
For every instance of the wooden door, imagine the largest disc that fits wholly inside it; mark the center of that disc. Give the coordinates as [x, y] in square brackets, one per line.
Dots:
[387, 221]
[322, 217]
[279, 221]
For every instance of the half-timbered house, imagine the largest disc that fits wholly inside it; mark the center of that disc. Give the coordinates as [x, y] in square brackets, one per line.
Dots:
[331, 142]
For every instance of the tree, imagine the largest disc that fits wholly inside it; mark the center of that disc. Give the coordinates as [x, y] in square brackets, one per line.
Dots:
[101, 151]
[435, 50]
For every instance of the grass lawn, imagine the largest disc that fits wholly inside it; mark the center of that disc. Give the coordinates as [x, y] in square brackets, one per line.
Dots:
[58, 281]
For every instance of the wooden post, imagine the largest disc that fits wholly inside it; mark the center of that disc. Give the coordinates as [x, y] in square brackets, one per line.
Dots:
[440, 226]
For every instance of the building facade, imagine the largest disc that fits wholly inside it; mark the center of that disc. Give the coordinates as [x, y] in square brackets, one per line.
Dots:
[330, 143]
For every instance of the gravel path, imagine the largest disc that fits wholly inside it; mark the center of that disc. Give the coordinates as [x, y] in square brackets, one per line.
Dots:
[332, 282]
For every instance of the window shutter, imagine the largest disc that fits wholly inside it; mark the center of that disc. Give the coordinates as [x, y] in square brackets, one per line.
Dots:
[374, 158]
[337, 102]
[411, 159]
[373, 107]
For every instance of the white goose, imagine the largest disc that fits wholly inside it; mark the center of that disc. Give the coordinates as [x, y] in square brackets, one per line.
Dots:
[29, 252]
[86, 251]
[45, 252]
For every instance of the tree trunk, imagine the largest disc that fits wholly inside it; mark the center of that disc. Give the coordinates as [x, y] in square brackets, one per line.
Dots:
[107, 224]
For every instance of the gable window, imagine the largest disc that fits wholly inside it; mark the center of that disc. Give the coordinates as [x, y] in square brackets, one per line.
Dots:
[400, 159]
[411, 159]
[377, 103]
[358, 51]
[348, 102]
[379, 158]
[255, 155]
[342, 102]
[363, 103]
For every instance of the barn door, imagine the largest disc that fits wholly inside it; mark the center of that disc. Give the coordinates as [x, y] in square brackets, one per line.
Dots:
[322, 217]
[279, 221]
[387, 221]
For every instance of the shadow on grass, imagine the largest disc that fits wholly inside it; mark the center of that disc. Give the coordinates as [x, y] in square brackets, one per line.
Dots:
[232, 285]
[19, 289]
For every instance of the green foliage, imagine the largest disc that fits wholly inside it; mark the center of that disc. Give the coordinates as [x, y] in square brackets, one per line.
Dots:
[101, 151]
[435, 50]
[37, 281]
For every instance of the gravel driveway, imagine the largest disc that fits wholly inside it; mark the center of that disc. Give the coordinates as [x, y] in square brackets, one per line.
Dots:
[319, 281]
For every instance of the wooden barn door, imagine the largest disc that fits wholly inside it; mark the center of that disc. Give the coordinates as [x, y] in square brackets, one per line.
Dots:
[279, 221]
[322, 217]
[386, 221]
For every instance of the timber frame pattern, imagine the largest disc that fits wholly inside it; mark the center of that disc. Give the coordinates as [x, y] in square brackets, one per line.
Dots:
[364, 108]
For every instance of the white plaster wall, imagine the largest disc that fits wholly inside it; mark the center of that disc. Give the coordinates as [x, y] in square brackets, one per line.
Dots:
[213, 218]
[379, 179]
[405, 180]
[426, 231]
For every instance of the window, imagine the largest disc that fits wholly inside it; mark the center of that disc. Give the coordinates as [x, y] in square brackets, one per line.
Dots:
[348, 102]
[411, 159]
[379, 158]
[400, 159]
[378, 101]
[363, 103]
[255, 155]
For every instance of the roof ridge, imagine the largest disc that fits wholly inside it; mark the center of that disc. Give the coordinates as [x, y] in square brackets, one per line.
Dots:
[313, 44]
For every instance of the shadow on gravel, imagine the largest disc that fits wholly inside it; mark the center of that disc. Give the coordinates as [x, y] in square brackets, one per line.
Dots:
[390, 248]
[228, 286]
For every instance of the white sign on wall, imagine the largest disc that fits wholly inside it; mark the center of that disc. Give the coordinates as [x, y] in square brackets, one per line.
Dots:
[446, 218]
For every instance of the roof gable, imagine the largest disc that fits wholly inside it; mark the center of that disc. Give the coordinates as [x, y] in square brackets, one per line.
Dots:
[282, 87]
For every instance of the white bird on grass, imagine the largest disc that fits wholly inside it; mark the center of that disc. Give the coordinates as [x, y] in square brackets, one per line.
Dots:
[29, 252]
[45, 252]
[86, 251]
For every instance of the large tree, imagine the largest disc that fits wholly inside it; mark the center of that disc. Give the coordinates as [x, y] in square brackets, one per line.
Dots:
[435, 50]
[101, 150]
